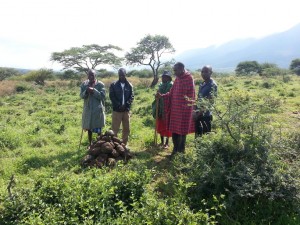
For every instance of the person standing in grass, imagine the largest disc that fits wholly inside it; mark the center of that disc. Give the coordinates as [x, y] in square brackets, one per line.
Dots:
[161, 122]
[92, 91]
[178, 105]
[121, 96]
[207, 91]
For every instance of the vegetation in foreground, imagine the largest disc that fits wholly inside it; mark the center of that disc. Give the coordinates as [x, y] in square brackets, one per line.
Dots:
[245, 172]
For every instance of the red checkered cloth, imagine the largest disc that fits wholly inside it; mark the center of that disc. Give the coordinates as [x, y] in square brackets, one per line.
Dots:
[179, 109]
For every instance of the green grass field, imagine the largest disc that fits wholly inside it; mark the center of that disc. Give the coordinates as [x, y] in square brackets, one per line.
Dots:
[40, 131]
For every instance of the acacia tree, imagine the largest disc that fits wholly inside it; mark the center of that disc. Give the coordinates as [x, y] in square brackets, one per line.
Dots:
[87, 57]
[149, 52]
[295, 66]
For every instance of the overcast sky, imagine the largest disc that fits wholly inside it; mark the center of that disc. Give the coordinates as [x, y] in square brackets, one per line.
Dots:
[32, 29]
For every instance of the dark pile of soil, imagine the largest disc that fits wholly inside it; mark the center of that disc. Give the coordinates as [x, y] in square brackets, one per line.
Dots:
[106, 151]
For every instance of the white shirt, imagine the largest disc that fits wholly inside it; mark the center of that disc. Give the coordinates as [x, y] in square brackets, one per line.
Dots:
[123, 100]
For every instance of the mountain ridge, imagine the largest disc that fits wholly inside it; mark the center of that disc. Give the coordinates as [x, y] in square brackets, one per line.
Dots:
[279, 48]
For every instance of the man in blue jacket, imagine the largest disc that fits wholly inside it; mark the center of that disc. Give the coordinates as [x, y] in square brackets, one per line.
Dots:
[207, 91]
[121, 96]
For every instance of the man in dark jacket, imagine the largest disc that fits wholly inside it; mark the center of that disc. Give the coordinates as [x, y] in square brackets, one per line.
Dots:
[207, 91]
[121, 96]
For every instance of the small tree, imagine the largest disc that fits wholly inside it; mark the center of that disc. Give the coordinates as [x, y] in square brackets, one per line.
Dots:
[248, 68]
[149, 52]
[7, 72]
[87, 57]
[295, 66]
[39, 76]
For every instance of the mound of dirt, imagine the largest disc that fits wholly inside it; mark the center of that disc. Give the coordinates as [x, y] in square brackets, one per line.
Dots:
[107, 150]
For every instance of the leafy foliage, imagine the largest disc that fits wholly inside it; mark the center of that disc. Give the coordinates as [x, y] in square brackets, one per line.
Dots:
[271, 69]
[69, 75]
[7, 72]
[248, 68]
[39, 76]
[97, 197]
[241, 163]
[87, 57]
[144, 73]
[9, 140]
[149, 52]
[295, 66]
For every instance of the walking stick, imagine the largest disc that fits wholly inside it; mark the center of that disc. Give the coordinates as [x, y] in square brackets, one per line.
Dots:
[88, 102]
[80, 140]
[156, 116]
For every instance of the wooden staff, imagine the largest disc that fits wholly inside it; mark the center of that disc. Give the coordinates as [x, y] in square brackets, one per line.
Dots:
[156, 116]
[80, 140]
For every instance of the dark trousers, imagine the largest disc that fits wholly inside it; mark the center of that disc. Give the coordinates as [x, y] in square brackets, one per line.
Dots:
[203, 125]
[178, 143]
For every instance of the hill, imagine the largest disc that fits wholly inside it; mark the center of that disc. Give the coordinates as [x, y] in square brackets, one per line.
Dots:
[280, 48]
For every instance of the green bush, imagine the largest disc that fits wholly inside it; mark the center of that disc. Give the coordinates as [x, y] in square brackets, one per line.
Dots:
[21, 87]
[97, 196]
[8, 72]
[69, 75]
[39, 76]
[144, 73]
[241, 163]
[9, 139]
[267, 84]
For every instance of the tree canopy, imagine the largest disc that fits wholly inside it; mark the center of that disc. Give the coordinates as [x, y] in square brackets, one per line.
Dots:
[87, 57]
[295, 66]
[248, 67]
[7, 72]
[149, 52]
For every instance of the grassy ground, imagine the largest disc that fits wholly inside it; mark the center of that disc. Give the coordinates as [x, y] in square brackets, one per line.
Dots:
[40, 126]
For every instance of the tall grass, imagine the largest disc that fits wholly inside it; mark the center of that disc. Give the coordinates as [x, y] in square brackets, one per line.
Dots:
[7, 87]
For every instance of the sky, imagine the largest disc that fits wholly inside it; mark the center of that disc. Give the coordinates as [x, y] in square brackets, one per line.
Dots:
[30, 30]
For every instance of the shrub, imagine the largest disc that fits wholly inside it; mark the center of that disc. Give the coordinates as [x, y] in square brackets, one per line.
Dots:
[39, 76]
[144, 73]
[9, 139]
[21, 87]
[69, 75]
[8, 72]
[271, 72]
[103, 73]
[97, 196]
[267, 85]
[241, 163]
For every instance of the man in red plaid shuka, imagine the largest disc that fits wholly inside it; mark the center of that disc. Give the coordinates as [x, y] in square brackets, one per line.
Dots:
[179, 107]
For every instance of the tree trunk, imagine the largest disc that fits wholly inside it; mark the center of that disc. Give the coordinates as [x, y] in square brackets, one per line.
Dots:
[154, 81]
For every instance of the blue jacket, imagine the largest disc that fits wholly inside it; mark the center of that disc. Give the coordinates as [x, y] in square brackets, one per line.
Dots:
[116, 95]
[207, 90]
